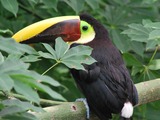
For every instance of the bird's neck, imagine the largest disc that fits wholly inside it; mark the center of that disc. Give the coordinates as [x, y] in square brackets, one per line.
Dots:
[104, 51]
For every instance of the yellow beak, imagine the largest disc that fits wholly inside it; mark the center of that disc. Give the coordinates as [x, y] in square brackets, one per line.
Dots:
[67, 27]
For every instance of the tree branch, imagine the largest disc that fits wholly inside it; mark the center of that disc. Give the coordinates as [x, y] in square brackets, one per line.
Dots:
[68, 111]
[148, 91]
[44, 102]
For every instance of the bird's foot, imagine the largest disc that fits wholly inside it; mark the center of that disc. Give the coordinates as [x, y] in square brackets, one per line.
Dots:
[86, 106]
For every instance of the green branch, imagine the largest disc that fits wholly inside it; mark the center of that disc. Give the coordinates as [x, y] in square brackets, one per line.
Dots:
[154, 53]
[57, 62]
[43, 102]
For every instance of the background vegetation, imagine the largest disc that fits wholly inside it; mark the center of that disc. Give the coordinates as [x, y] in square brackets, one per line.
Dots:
[134, 28]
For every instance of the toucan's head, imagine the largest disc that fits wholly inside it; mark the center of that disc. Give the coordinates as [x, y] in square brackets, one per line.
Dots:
[74, 29]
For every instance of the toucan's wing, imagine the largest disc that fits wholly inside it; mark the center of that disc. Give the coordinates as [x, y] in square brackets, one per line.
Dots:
[106, 89]
[94, 90]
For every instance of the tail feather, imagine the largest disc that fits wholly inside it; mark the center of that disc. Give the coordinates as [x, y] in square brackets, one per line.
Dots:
[127, 110]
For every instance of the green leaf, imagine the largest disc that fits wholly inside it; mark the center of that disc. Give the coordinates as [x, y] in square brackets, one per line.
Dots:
[47, 55]
[154, 25]
[61, 48]
[73, 57]
[7, 31]
[26, 48]
[73, 64]
[25, 90]
[131, 32]
[151, 44]
[154, 64]
[138, 27]
[146, 21]
[76, 5]
[52, 93]
[16, 109]
[155, 34]
[138, 47]
[14, 47]
[26, 77]
[34, 1]
[6, 82]
[93, 3]
[137, 32]
[76, 61]
[51, 3]
[30, 58]
[149, 2]
[25, 105]
[76, 56]
[51, 50]
[88, 60]
[147, 75]
[1, 58]
[21, 116]
[43, 79]
[50, 81]
[13, 57]
[119, 41]
[12, 65]
[136, 69]
[33, 80]
[5, 42]
[79, 50]
[131, 60]
[10, 5]
[11, 110]
[1, 105]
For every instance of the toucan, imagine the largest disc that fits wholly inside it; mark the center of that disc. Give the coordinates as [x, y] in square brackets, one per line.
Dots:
[106, 84]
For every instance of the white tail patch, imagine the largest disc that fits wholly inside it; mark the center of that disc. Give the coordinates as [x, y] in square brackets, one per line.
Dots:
[127, 110]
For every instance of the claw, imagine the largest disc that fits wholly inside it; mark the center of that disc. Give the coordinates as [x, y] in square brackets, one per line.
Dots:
[86, 106]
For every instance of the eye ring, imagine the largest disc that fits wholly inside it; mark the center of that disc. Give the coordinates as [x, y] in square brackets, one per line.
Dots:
[85, 28]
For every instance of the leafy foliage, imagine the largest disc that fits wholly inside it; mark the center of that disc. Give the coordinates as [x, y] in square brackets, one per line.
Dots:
[15, 73]
[72, 58]
[133, 26]
[11, 6]
[15, 106]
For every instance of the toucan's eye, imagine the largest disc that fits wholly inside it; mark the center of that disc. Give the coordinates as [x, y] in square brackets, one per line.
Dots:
[85, 28]
[87, 33]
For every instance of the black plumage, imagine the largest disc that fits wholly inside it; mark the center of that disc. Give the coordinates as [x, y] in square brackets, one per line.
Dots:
[106, 84]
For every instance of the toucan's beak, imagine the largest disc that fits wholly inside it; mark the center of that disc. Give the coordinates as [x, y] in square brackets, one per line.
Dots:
[67, 27]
